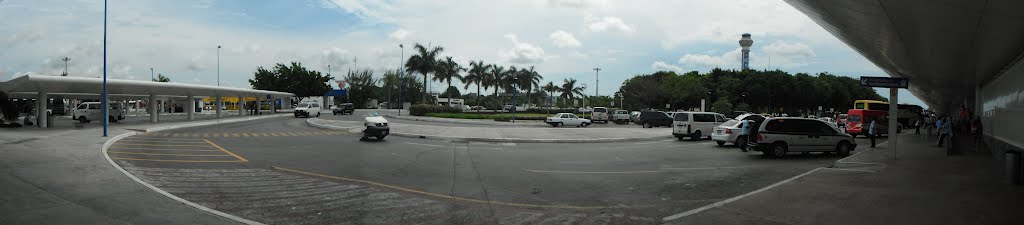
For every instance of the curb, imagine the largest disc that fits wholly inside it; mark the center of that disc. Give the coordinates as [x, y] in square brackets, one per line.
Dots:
[108, 143]
[358, 129]
[466, 122]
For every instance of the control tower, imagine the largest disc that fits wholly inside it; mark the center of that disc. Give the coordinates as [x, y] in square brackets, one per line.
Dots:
[745, 42]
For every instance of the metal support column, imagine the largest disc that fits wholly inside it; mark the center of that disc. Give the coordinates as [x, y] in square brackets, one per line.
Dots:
[219, 103]
[190, 107]
[41, 100]
[151, 106]
[241, 100]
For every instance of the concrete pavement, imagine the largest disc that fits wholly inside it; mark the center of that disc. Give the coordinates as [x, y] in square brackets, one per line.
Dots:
[61, 176]
[922, 186]
[508, 134]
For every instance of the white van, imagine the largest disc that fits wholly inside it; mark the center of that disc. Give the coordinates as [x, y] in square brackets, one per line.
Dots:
[599, 114]
[88, 111]
[695, 125]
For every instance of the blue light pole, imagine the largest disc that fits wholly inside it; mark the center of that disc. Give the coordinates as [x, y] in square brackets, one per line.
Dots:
[401, 70]
[106, 114]
[218, 64]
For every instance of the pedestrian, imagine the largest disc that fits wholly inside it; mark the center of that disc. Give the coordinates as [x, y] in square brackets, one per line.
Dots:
[917, 126]
[744, 135]
[871, 132]
[938, 126]
[963, 121]
[944, 130]
[976, 131]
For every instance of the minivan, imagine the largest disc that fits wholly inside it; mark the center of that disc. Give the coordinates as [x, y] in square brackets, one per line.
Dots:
[695, 125]
[89, 111]
[780, 135]
[599, 114]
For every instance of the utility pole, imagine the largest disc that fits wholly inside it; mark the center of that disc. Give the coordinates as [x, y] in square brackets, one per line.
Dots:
[597, 80]
[151, 77]
[401, 70]
[218, 67]
[65, 59]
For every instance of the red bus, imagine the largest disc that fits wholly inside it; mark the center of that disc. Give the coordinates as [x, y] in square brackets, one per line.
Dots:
[857, 121]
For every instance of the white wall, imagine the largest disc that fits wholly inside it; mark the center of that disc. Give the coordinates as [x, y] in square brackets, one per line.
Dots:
[1002, 110]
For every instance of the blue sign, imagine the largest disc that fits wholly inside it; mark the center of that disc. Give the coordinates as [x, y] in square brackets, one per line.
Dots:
[337, 93]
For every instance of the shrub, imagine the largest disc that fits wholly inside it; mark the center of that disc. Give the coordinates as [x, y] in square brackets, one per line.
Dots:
[423, 109]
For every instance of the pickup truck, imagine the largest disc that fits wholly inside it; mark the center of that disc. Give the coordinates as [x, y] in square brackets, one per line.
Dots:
[621, 116]
[563, 119]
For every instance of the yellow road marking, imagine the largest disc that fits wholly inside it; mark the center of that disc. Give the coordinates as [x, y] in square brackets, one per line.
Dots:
[226, 151]
[165, 149]
[438, 195]
[225, 135]
[143, 153]
[284, 134]
[234, 135]
[205, 135]
[595, 172]
[175, 160]
[195, 135]
[245, 135]
[156, 144]
[274, 134]
[160, 138]
[158, 141]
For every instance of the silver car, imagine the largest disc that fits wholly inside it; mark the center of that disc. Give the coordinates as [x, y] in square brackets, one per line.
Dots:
[780, 135]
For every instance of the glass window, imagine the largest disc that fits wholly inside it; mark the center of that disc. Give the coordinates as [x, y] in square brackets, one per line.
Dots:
[572, 116]
[775, 125]
[859, 105]
[703, 117]
[730, 123]
[83, 106]
[94, 106]
[720, 117]
[601, 110]
[314, 105]
[565, 115]
[853, 118]
[303, 104]
[825, 128]
[682, 117]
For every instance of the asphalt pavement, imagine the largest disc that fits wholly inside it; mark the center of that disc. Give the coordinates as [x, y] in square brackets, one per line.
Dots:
[282, 171]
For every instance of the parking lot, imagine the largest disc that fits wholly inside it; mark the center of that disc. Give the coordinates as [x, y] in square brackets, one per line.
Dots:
[281, 170]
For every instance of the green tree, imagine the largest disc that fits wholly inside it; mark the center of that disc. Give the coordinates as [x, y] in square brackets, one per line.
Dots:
[161, 78]
[570, 90]
[493, 80]
[453, 92]
[293, 78]
[361, 86]
[477, 74]
[424, 62]
[551, 89]
[528, 80]
[447, 71]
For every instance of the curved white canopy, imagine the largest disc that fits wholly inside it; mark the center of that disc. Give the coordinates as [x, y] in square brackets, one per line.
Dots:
[76, 86]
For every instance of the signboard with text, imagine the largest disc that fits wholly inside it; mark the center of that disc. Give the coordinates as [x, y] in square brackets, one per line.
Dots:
[884, 82]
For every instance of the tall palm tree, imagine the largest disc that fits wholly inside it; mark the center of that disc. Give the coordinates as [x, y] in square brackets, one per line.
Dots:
[493, 78]
[477, 72]
[570, 90]
[551, 89]
[448, 70]
[528, 80]
[424, 62]
[508, 79]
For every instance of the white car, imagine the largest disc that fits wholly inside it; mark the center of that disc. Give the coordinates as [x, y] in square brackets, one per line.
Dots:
[376, 126]
[695, 125]
[563, 119]
[781, 135]
[307, 109]
[89, 111]
[599, 114]
[728, 132]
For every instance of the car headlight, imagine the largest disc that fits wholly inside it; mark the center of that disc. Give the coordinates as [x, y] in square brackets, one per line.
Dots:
[382, 124]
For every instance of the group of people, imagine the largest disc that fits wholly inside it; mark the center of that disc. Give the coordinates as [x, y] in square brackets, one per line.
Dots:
[964, 124]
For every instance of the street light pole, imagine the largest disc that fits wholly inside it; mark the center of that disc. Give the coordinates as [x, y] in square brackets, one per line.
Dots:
[65, 59]
[401, 70]
[151, 77]
[597, 80]
[218, 65]
[105, 106]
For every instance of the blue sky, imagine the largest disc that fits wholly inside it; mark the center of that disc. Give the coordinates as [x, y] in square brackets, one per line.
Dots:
[560, 38]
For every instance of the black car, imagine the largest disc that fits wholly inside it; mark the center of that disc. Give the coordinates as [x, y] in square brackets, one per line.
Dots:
[651, 119]
[344, 108]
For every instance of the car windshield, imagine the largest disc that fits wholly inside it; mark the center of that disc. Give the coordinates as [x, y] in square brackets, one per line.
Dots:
[600, 110]
[730, 123]
[853, 118]
[303, 105]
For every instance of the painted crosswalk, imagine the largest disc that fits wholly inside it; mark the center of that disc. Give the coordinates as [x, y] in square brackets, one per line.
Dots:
[171, 150]
[240, 134]
[276, 197]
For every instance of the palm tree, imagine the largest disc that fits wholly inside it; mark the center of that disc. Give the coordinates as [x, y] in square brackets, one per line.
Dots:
[390, 83]
[477, 72]
[528, 80]
[551, 89]
[493, 79]
[424, 62]
[570, 90]
[446, 71]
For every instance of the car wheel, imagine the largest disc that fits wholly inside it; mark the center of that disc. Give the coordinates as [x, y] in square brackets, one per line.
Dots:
[720, 143]
[380, 137]
[696, 136]
[296, 116]
[740, 141]
[111, 119]
[585, 124]
[334, 113]
[559, 124]
[317, 114]
[81, 119]
[648, 125]
[364, 138]
[843, 148]
[779, 149]
[680, 137]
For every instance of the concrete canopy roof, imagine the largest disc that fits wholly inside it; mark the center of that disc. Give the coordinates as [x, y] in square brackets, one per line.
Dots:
[87, 86]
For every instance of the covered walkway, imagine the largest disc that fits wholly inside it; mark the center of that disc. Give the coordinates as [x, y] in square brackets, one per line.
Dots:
[46, 88]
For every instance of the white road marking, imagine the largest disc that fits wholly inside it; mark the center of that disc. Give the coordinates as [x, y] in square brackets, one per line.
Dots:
[855, 170]
[706, 168]
[661, 170]
[733, 199]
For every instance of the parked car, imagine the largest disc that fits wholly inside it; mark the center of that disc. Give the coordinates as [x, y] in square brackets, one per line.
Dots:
[599, 114]
[649, 119]
[563, 119]
[89, 111]
[634, 117]
[307, 109]
[695, 125]
[621, 116]
[376, 126]
[781, 135]
[729, 131]
[477, 108]
[343, 108]
[841, 120]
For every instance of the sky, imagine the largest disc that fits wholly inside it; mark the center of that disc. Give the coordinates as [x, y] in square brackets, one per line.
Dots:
[559, 38]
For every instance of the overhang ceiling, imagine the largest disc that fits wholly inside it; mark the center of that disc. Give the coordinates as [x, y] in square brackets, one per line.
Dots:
[946, 47]
[77, 86]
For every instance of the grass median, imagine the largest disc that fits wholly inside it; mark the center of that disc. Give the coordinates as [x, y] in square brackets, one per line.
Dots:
[504, 116]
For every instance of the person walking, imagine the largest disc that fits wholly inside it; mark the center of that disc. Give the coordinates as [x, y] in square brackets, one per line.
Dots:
[944, 130]
[976, 131]
[917, 126]
[871, 132]
[938, 126]
[744, 135]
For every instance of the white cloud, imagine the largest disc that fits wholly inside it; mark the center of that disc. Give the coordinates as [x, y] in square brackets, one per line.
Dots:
[729, 59]
[336, 57]
[521, 52]
[564, 39]
[608, 23]
[399, 34]
[789, 49]
[662, 66]
[580, 4]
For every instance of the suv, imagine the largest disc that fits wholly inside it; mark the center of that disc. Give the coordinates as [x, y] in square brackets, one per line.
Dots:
[599, 114]
[651, 119]
[780, 135]
[307, 109]
[695, 125]
[88, 111]
[343, 109]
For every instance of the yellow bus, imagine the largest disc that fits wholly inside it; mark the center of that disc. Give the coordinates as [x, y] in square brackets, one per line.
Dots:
[871, 105]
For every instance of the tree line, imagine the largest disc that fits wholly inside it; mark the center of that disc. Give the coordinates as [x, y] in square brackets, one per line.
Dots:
[771, 91]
